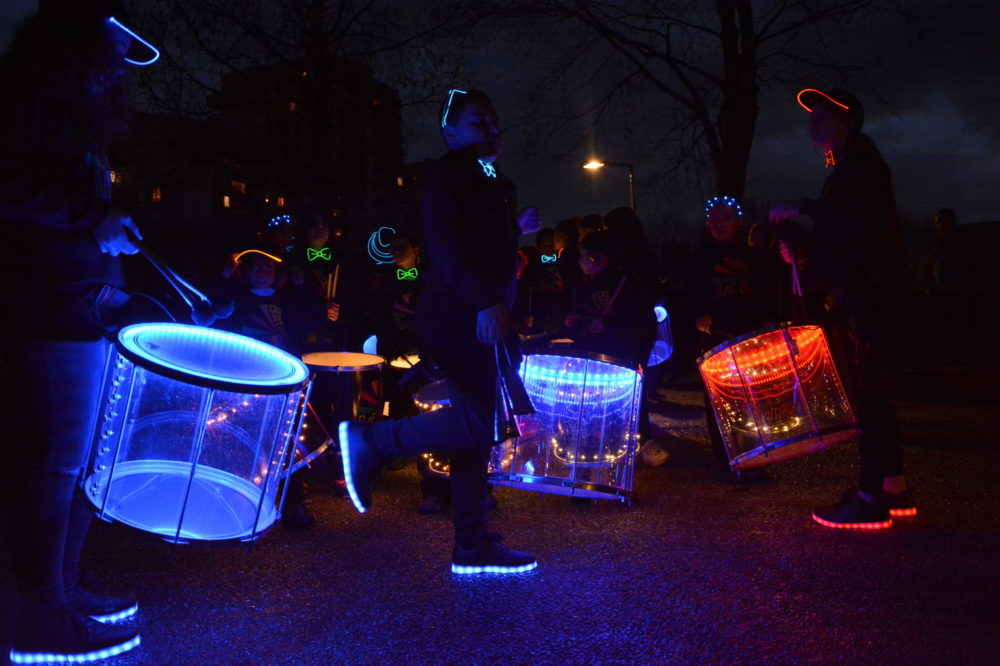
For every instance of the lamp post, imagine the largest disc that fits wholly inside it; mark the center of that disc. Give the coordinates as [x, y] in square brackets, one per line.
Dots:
[595, 164]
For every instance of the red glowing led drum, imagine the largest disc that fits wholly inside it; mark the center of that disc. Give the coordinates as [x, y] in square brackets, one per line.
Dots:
[776, 395]
[581, 440]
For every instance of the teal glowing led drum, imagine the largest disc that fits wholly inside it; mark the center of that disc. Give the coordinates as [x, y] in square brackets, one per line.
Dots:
[582, 439]
[196, 432]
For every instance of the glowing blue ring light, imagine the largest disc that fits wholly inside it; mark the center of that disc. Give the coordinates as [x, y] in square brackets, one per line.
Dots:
[196, 433]
[582, 439]
[378, 249]
[212, 358]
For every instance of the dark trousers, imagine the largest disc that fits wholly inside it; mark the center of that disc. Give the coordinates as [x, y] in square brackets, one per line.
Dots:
[853, 327]
[464, 431]
[51, 400]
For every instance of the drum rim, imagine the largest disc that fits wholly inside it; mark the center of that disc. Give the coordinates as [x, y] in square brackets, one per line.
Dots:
[541, 481]
[344, 368]
[593, 356]
[218, 383]
[748, 336]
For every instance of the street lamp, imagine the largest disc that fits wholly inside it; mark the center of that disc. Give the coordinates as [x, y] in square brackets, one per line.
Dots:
[595, 164]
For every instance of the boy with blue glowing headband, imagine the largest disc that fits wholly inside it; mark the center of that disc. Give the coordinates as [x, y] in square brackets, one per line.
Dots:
[470, 246]
[64, 73]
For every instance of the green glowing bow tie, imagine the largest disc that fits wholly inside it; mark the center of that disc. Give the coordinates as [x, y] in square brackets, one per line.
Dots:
[406, 274]
[322, 253]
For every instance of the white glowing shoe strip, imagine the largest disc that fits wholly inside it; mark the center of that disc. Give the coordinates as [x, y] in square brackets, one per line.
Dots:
[80, 658]
[470, 569]
[117, 617]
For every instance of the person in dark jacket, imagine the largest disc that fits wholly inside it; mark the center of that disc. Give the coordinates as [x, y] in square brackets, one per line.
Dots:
[64, 101]
[847, 263]
[470, 245]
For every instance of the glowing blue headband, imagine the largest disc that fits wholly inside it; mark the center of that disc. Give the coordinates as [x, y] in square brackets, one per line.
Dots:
[279, 220]
[447, 106]
[141, 63]
[723, 201]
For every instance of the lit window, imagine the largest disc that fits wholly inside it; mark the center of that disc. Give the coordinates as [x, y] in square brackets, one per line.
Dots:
[115, 177]
[291, 106]
[305, 74]
[236, 187]
[281, 202]
[267, 199]
[225, 201]
[399, 181]
[157, 195]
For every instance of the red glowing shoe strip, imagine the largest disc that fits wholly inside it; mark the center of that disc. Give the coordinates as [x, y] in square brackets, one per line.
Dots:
[903, 513]
[854, 526]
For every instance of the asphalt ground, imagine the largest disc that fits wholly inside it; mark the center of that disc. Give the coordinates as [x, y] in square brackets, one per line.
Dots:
[695, 571]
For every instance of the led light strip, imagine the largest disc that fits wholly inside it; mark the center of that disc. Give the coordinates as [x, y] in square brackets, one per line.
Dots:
[470, 569]
[55, 658]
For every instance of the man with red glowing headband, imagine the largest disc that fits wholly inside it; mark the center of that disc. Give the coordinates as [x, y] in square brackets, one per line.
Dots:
[63, 102]
[847, 263]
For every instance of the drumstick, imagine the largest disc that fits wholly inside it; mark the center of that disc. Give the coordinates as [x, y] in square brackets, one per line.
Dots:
[329, 277]
[333, 290]
[530, 292]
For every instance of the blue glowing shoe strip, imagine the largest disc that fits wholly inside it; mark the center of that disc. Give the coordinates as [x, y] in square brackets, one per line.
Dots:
[345, 454]
[117, 617]
[80, 658]
[495, 569]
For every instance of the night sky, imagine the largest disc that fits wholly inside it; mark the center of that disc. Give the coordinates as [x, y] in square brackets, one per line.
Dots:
[934, 120]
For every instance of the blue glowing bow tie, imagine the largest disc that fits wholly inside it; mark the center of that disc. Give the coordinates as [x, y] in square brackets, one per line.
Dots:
[488, 168]
[322, 253]
[549, 258]
[406, 274]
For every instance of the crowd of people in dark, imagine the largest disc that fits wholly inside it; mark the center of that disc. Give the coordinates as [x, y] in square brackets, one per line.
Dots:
[443, 299]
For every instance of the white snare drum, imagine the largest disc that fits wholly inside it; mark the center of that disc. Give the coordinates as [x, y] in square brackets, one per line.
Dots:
[776, 395]
[196, 433]
[431, 398]
[581, 440]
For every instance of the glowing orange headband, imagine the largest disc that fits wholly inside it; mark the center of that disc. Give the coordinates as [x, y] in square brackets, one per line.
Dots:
[269, 256]
[798, 98]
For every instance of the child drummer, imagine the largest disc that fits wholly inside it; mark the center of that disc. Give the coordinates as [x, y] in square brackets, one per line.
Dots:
[470, 244]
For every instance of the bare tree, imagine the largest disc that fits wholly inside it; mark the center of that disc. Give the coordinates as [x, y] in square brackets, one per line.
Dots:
[691, 68]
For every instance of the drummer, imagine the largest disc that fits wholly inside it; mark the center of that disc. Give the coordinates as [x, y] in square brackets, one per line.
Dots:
[63, 102]
[470, 241]
[737, 291]
[847, 264]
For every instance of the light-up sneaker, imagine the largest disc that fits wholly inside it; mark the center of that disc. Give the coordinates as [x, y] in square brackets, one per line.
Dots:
[490, 557]
[61, 636]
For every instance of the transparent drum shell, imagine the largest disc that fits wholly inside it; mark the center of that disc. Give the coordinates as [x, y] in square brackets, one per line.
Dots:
[430, 398]
[582, 439]
[195, 458]
[776, 395]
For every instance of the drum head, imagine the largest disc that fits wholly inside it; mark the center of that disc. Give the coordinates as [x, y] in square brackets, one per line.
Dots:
[341, 361]
[435, 393]
[211, 358]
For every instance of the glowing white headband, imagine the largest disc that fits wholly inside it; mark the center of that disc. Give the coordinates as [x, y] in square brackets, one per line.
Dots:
[447, 106]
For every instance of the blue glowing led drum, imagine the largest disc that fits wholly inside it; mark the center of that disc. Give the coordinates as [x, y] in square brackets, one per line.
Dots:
[196, 432]
[430, 398]
[776, 395]
[582, 439]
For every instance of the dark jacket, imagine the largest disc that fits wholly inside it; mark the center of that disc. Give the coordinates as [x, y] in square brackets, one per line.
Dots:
[855, 237]
[55, 189]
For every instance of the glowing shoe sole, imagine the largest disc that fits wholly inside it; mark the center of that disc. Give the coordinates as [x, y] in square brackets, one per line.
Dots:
[75, 658]
[463, 569]
[345, 454]
[881, 525]
[117, 617]
[903, 513]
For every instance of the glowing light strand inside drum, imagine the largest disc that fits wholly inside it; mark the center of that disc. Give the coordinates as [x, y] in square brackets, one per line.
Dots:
[50, 657]
[598, 385]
